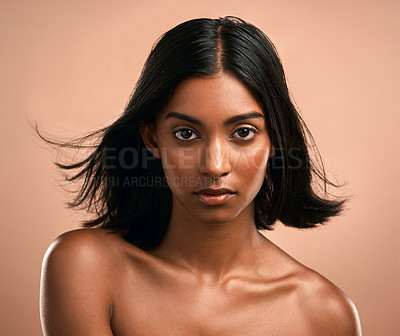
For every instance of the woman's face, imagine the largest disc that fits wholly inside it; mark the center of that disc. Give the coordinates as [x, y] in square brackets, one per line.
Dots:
[212, 140]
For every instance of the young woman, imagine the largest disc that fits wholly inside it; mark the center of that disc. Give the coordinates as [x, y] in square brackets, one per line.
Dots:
[209, 150]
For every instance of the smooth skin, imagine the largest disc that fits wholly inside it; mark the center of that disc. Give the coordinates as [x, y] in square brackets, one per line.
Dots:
[214, 273]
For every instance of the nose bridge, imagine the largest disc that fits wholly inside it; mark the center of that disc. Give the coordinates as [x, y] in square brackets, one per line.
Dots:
[215, 158]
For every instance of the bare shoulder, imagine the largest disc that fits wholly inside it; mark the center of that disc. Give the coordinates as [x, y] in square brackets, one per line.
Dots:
[321, 308]
[77, 276]
[85, 242]
[87, 254]
[84, 249]
[326, 308]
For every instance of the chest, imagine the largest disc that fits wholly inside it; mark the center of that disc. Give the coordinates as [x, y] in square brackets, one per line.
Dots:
[161, 307]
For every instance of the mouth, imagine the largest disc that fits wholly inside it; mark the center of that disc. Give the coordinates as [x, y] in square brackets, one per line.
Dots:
[214, 196]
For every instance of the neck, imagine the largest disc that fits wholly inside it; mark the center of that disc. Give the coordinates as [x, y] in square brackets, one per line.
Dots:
[211, 249]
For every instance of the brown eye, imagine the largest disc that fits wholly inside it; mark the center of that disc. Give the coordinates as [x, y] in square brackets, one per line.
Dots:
[185, 134]
[245, 133]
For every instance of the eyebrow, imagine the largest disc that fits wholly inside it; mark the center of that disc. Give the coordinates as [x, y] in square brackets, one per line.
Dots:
[227, 122]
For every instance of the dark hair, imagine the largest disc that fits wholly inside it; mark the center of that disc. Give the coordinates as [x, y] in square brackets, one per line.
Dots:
[199, 47]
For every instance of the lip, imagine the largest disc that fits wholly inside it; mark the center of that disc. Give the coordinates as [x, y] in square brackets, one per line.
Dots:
[215, 191]
[214, 196]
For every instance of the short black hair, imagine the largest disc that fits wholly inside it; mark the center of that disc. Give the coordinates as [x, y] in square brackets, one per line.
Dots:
[199, 47]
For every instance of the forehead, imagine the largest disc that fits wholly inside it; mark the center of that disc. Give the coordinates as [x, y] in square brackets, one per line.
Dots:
[208, 97]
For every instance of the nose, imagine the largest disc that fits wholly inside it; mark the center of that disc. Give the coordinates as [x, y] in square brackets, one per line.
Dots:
[215, 159]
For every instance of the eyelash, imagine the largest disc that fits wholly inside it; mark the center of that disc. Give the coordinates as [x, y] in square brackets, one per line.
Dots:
[251, 129]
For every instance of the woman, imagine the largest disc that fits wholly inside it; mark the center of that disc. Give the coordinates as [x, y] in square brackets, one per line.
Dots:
[208, 150]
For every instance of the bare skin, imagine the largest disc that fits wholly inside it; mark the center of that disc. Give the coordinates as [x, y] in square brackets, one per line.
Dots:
[213, 273]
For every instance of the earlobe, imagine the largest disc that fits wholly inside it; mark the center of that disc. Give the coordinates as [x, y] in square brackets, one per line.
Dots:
[148, 135]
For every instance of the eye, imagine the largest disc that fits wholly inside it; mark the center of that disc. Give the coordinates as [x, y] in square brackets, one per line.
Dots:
[245, 133]
[185, 134]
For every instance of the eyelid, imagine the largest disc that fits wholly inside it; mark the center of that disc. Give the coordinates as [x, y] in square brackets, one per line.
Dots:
[253, 128]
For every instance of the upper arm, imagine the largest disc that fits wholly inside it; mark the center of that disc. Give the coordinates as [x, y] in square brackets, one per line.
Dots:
[74, 292]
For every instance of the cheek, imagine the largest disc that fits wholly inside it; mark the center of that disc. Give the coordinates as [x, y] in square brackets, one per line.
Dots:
[251, 170]
[179, 166]
[179, 160]
[260, 160]
[255, 160]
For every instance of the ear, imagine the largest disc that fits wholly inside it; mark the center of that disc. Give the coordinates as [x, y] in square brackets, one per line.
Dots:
[148, 134]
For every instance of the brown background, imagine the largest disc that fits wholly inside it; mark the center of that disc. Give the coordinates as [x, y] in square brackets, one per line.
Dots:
[71, 65]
